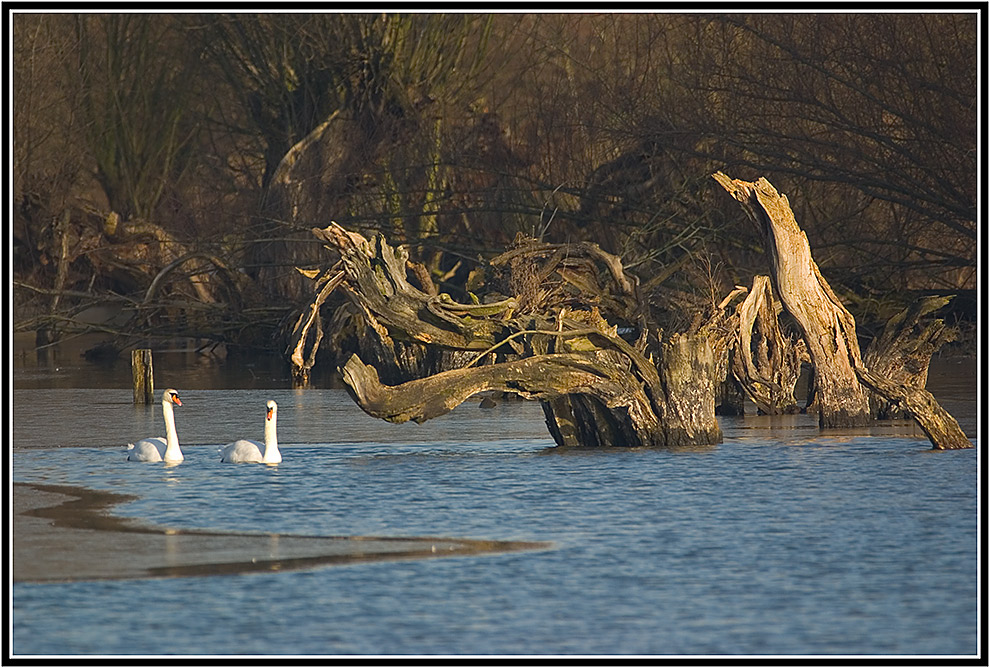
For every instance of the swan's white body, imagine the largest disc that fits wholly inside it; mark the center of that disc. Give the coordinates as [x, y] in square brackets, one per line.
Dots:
[158, 449]
[244, 450]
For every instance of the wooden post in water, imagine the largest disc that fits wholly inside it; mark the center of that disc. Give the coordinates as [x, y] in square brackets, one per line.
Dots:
[141, 371]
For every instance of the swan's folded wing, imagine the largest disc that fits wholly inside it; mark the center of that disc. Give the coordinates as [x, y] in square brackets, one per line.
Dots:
[147, 450]
[242, 450]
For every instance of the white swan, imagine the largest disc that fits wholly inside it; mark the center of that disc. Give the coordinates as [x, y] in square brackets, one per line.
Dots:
[253, 451]
[158, 449]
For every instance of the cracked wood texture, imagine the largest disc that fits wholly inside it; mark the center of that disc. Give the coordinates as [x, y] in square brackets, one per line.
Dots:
[842, 380]
[765, 361]
[829, 330]
[415, 355]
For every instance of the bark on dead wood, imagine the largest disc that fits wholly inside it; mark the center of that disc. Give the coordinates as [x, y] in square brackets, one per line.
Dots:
[687, 371]
[549, 340]
[830, 333]
[829, 330]
[769, 374]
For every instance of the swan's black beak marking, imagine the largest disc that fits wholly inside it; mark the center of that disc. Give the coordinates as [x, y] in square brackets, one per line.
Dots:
[269, 414]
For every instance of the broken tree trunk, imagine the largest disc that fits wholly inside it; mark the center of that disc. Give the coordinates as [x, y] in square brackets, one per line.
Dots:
[829, 330]
[842, 380]
[941, 428]
[687, 372]
[895, 368]
[903, 351]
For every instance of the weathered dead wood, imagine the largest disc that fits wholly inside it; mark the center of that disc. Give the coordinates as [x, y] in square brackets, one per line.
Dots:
[591, 399]
[769, 375]
[143, 376]
[828, 329]
[601, 375]
[941, 428]
[302, 363]
[400, 329]
[551, 332]
[422, 275]
[548, 340]
[895, 368]
[903, 351]
[729, 395]
[688, 379]
[543, 277]
[604, 393]
[376, 281]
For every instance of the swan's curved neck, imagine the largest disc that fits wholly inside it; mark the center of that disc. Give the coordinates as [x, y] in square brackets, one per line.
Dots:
[271, 440]
[172, 451]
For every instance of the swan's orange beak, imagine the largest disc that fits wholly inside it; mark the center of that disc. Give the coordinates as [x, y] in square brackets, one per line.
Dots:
[269, 417]
[175, 400]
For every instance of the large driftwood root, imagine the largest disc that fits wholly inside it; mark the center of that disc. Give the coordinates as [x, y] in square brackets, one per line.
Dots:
[416, 354]
[550, 330]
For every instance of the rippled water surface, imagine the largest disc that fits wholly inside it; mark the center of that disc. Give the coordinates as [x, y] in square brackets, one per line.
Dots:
[780, 540]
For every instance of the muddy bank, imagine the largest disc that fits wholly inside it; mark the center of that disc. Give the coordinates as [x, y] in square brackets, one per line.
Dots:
[65, 533]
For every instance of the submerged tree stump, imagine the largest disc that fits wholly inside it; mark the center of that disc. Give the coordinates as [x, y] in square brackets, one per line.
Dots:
[565, 324]
[842, 380]
[903, 351]
[828, 329]
[417, 355]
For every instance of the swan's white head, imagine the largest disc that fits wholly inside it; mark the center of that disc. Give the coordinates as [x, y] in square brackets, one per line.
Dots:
[172, 451]
[170, 396]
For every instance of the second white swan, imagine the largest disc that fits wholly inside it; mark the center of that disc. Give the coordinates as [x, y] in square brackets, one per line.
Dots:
[244, 450]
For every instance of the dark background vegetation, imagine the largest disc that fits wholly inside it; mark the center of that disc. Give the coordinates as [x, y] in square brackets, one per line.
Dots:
[169, 167]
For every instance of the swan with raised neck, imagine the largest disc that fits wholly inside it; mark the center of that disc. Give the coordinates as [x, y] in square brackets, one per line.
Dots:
[245, 450]
[158, 449]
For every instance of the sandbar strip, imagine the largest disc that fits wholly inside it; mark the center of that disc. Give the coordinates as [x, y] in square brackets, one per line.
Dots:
[64, 534]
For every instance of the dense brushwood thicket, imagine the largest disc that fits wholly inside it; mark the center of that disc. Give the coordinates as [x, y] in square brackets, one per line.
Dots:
[170, 167]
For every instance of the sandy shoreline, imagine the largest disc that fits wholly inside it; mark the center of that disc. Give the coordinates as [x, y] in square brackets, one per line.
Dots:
[63, 533]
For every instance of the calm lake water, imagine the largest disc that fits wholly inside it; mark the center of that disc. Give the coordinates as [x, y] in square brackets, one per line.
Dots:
[782, 540]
